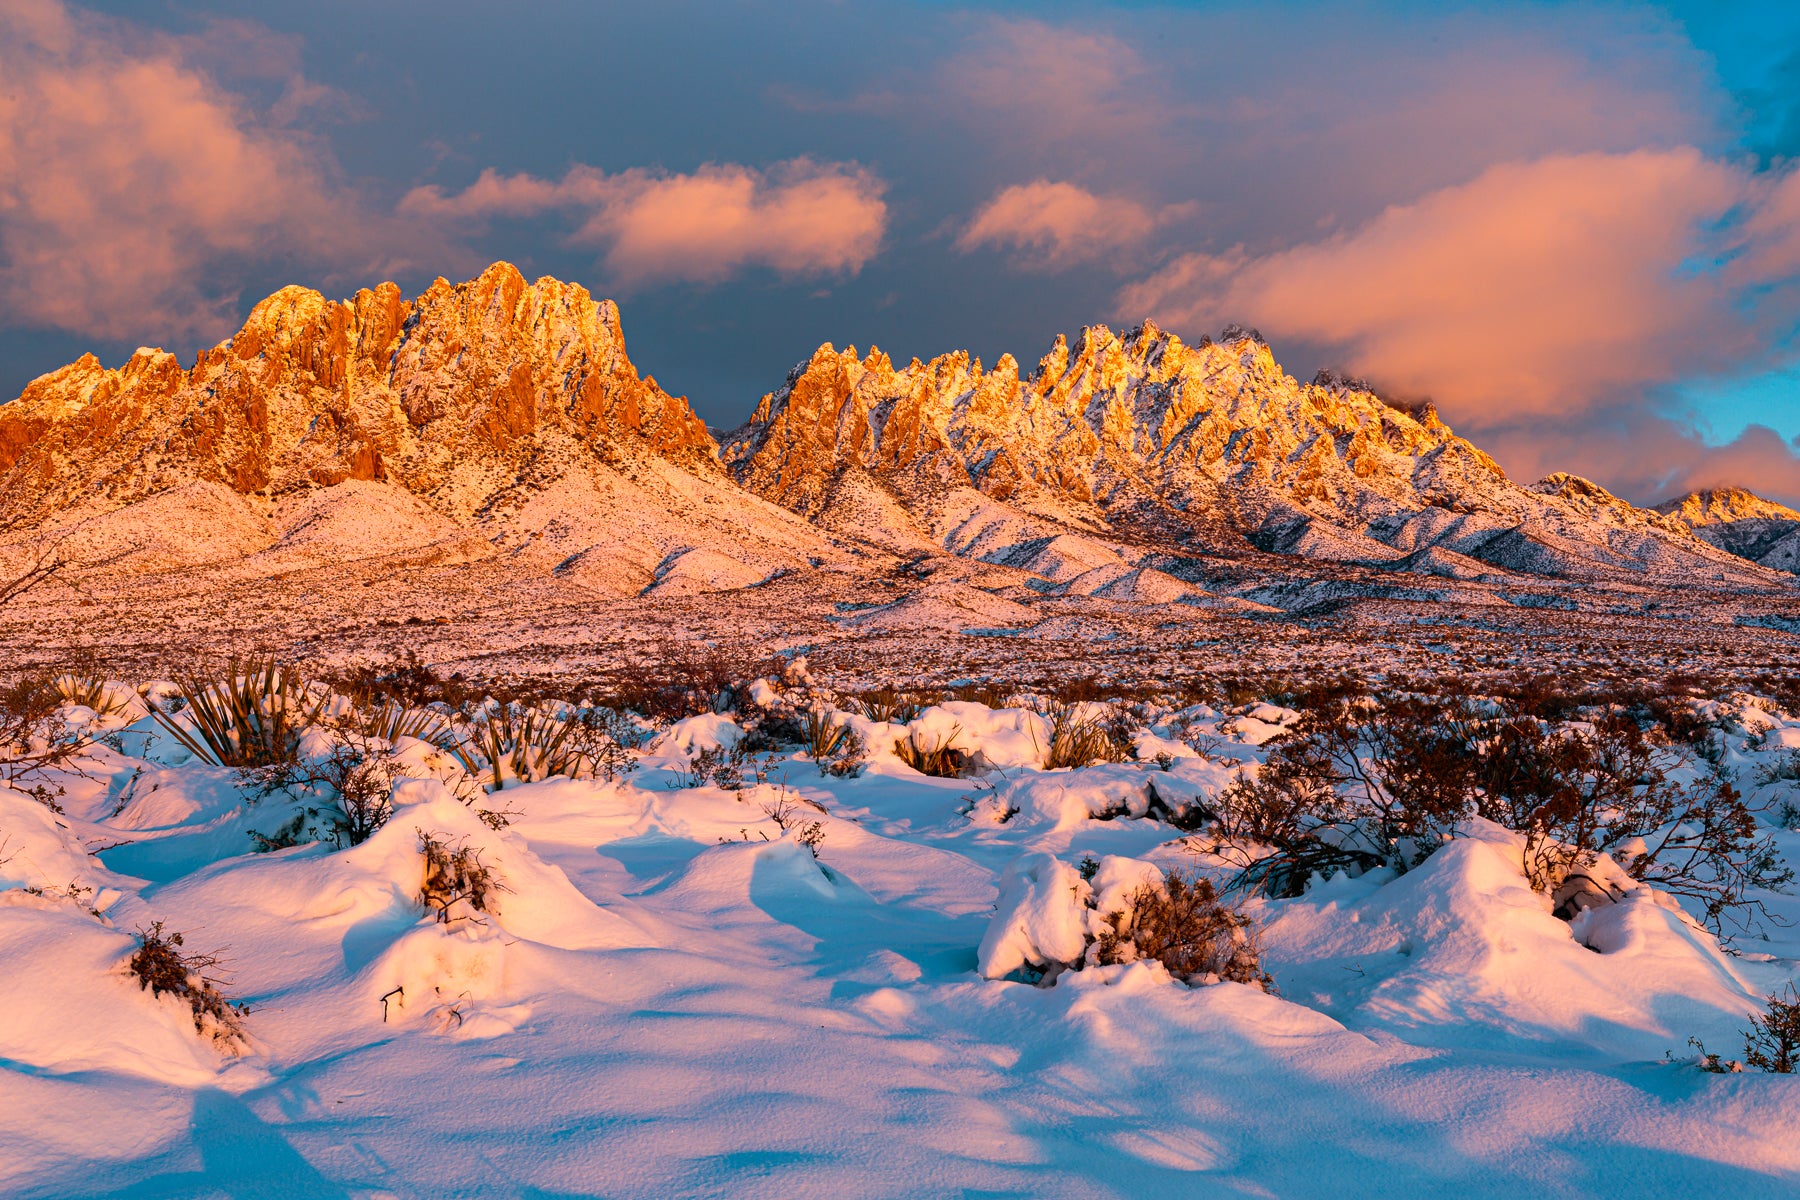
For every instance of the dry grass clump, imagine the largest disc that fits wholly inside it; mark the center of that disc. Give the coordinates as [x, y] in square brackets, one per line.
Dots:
[252, 714]
[1084, 733]
[1185, 925]
[454, 875]
[888, 704]
[161, 964]
[933, 756]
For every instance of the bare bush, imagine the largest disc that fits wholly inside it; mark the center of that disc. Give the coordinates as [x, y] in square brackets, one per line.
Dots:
[722, 767]
[1185, 925]
[1354, 787]
[1772, 1043]
[454, 875]
[787, 815]
[162, 964]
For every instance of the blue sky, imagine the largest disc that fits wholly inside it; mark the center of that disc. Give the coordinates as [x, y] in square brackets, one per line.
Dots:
[1493, 205]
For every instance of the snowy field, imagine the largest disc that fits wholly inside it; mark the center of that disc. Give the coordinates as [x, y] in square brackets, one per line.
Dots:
[668, 993]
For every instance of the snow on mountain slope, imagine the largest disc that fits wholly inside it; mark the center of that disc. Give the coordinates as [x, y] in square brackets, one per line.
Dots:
[1212, 446]
[1741, 523]
[493, 411]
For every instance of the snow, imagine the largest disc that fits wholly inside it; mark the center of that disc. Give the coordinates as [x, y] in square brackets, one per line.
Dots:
[670, 995]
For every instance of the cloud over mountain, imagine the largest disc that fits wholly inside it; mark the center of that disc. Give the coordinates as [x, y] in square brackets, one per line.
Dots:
[798, 217]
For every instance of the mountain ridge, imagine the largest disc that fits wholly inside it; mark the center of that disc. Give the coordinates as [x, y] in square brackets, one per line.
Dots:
[498, 416]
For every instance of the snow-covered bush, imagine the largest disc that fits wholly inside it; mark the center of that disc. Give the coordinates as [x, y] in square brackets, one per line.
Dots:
[510, 744]
[1354, 787]
[161, 964]
[1772, 1043]
[1052, 917]
[454, 875]
[1350, 787]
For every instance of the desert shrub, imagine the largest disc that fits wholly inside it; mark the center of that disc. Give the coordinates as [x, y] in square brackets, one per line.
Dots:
[820, 733]
[788, 815]
[683, 679]
[1082, 733]
[454, 875]
[1785, 768]
[92, 690]
[1350, 787]
[722, 767]
[933, 755]
[1608, 789]
[1189, 928]
[162, 964]
[390, 720]
[33, 738]
[510, 744]
[298, 831]
[406, 681]
[251, 715]
[832, 744]
[1772, 1043]
[888, 704]
[987, 692]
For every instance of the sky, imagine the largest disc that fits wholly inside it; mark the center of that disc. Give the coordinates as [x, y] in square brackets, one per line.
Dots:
[1574, 227]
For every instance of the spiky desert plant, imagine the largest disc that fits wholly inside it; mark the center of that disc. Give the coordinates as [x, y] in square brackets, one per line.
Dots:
[822, 734]
[1080, 734]
[936, 756]
[391, 720]
[251, 715]
[510, 744]
[92, 691]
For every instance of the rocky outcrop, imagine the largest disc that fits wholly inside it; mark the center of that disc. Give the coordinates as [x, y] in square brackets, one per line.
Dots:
[450, 394]
[1210, 446]
[1741, 523]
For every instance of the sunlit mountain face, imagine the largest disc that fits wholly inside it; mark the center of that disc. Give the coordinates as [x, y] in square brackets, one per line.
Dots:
[1168, 600]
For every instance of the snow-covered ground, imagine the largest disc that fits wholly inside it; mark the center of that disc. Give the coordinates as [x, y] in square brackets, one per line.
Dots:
[672, 996]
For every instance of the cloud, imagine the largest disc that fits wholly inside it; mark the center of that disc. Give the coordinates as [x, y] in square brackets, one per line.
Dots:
[1061, 224]
[798, 217]
[1646, 457]
[1540, 288]
[132, 185]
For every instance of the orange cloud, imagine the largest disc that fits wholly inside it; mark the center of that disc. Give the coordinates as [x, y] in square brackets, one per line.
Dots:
[1056, 225]
[798, 217]
[1540, 287]
[128, 177]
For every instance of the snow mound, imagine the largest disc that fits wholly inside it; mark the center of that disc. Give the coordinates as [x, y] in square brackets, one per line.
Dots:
[1462, 951]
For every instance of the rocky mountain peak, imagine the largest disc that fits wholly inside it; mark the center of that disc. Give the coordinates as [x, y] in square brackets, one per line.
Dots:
[466, 380]
[1718, 506]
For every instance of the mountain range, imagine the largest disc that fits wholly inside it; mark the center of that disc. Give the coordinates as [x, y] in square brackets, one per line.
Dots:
[502, 420]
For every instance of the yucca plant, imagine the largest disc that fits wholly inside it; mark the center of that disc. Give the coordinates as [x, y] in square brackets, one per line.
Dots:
[939, 756]
[510, 744]
[888, 704]
[1079, 735]
[251, 716]
[391, 720]
[91, 691]
[822, 736]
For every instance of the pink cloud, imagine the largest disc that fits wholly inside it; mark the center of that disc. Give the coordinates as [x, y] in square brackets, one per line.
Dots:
[1540, 287]
[799, 217]
[1055, 225]
[129, 177]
